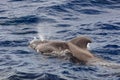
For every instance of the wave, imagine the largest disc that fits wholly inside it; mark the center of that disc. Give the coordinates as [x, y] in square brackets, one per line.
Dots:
[23, 33]
[91, 11]
[71, 7]
[106, 26]
[34, 76]
[14, 43]
[15, 0]
[30, 19]
[112, 46]
[19, 20]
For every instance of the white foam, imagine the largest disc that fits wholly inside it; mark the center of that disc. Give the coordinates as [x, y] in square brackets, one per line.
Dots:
[41, 37]
[34, 39]
[88, 46]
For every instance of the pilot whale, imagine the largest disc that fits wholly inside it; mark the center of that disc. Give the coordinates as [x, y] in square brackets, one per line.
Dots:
[75, 50]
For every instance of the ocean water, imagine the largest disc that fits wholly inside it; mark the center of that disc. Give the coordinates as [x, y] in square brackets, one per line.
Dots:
[22, 20]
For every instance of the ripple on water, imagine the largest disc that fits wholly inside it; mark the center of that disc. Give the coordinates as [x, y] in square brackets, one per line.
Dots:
[21, 52]
[1, 11]
[14, 43]
[16, 0]
[105, 3]
[91, 11]
[112, 46]
[108, 51]
[7, 60]
[69, 7]
[107, 26]
[118, 23]
[63, 25]
[63, 31]
[101, 2]
[58, 8]
[24, 32]
[29, 19]
[34, 76]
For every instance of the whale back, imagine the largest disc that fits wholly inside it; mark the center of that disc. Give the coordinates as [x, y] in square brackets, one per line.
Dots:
[48, 46]
[59, 45]
[81, 42]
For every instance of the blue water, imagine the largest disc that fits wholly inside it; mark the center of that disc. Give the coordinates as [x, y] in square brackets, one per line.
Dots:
[21, 20]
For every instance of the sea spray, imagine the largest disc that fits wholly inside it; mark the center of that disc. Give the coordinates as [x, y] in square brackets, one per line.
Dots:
[43, 32]
[41, 37]
[34, 39]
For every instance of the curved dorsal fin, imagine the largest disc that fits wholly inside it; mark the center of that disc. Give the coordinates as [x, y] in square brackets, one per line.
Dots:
[81, 42]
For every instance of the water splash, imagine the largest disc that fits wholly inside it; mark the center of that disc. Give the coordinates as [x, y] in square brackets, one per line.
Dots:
[41, 37]
[88, 46]
[34, 39]
[44, 32]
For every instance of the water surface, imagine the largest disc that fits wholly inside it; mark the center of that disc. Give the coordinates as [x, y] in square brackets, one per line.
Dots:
[21, 20]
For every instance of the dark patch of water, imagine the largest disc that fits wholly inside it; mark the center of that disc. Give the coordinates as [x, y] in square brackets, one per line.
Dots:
[34, 76]
[20, 20]
[106, 26]
[14, 43]
[90, 11]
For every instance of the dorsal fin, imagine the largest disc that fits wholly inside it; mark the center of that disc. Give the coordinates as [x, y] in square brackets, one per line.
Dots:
[81, 42]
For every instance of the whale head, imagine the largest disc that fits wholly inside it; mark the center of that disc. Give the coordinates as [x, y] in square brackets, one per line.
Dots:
[35, 42]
